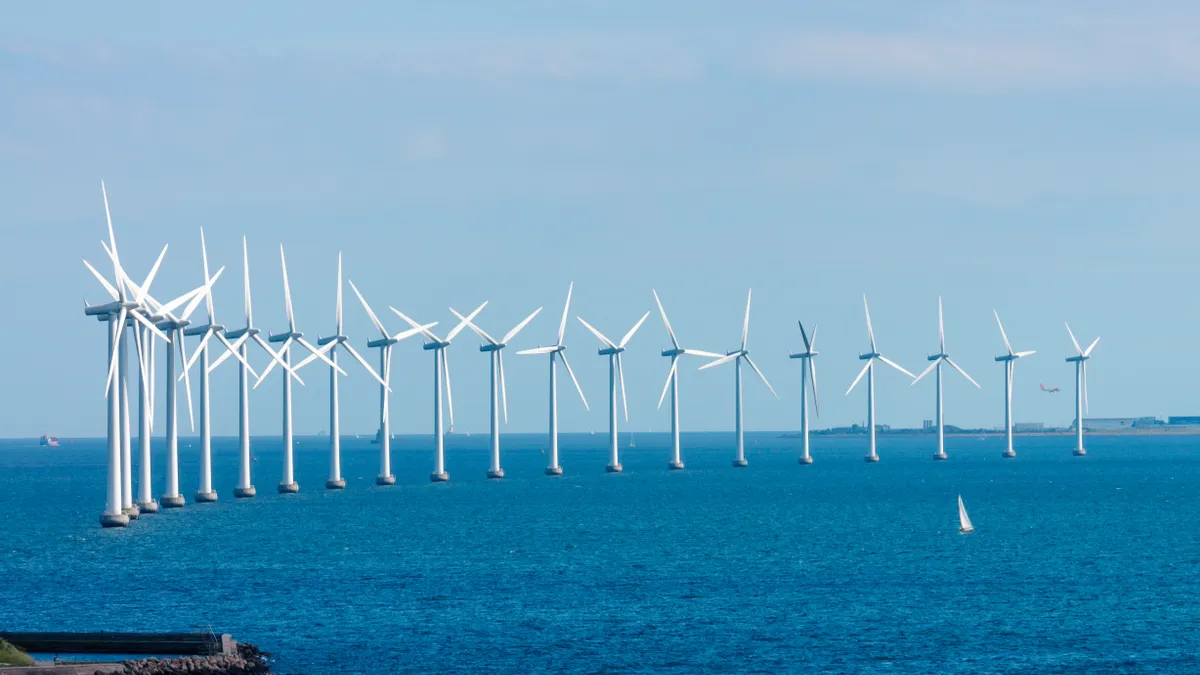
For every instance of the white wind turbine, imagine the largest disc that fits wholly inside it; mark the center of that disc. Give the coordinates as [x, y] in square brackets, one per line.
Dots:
[329, 345]
[613, 352]
[288, 484]
[495, 348]
[209, 330]
[384, 343]
[240, 340]
[937, 361]
[1080, 361]
[737, 357]
[676, 463]
[441, 373]
[808, 373]
[1010, 362]
[869, 370]
[557, 350]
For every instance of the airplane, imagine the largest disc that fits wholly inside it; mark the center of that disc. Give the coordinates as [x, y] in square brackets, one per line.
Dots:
[1051, 390]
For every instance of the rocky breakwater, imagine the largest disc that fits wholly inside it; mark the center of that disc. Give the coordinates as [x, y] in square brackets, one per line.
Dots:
[247, 661]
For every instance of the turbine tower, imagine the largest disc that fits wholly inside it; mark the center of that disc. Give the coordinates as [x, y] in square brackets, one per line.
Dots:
[240, 340]
[384, 344]
[676, 463]
[737, 357]
[937, 361]
[869, 370]
[558, 349]
[288, 484]
[1081, 397]
[329, 345]
[1010, 362]
[441, 373]
[205, 492]
[496, 350]
[613, 352]
[808, 373]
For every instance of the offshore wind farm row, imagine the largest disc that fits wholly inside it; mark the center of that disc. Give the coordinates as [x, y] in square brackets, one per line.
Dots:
[133, 313]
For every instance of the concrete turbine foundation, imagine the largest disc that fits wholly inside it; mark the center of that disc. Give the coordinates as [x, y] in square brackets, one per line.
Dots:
[384, 480]
[338, 484]
[289, 488]
[113, 520]
[554, 471]
[439, 477]
[205, 497]
[247, 492]
[675, 466]
[175, 502]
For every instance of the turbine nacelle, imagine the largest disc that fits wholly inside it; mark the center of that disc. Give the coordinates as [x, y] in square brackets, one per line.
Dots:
[281, 337]
[235, 334]
[192, 331]
[803, 355]
[1073, 359]
[673, 352]
[340, 339]
[607, 351]
[430, 346]
[108, 308]
[487, 347]
[381, 342]
[869, 356]
[936, 357]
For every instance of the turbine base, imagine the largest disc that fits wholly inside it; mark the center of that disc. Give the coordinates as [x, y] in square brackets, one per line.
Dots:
[1080, 452]
[941, 456]
[175, 502]
[338, 484]
[289, 488]
[614, 468]
[1008, 454]
[382, 480]
[805, 460]
[205, 497]
[148, 507]
[497, 473]
[740, 463]
[554, 471]
[871, 459]
[113, 520]
[244, 492]
[442, 477]
[675, 466]
[132, 512]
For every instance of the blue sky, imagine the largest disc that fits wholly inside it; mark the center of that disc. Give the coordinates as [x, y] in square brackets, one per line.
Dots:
[1036, 160]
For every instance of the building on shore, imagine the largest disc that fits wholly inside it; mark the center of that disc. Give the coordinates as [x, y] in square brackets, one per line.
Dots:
[1183, 421]
[1029, 427]
[1118, 423]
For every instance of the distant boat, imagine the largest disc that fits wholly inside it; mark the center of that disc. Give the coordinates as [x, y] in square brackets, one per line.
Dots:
[964, 521]
[48, 441]
[632, 441]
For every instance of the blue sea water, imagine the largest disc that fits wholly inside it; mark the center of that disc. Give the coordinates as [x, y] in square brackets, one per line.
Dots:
[1077, 564]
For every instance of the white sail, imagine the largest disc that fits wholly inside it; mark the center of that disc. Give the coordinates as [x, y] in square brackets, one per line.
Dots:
[964, 521]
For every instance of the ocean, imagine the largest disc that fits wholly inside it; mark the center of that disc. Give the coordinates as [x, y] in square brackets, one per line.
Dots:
[1077, 565]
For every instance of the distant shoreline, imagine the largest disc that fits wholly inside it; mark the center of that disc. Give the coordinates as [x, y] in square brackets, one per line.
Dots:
[1187, 431]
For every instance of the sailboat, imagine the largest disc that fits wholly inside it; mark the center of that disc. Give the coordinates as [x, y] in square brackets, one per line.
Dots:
[632, 442]
[964, 521]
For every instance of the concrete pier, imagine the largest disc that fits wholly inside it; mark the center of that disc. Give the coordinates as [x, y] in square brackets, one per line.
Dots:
[338, 484]
[1080, 452]
[114, 520]
[941, 456]
[205, 497]
[175, 502]
[289, 488]
[1008, 454]
[871, 459]
[675, 466]
[439, 477]
[740, 463]
[495, 473]
[131, 511]
[247, 492]
[805, 461]
[554, 471]
[614, 468]
[148, 507]
[385, 480]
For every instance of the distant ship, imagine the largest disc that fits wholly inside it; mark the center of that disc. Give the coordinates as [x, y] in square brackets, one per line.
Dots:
[964, 521]
[48, 441]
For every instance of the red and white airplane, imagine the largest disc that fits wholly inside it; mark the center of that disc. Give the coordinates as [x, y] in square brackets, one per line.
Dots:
[1051, 390]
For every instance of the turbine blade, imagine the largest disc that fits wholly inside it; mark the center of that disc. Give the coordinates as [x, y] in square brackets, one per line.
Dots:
[150, 326]
[112, 239]
[670, 375]
[597, 333]
[1085, 391]
[141, 297]
[761, 376]
[230, 349]
[1004, 335]
[537, 350]
[203, 295]
[562, 326]
[812, 339]
[667, 323]
[941, 328]
[414, 324]
[339, 295]
[404, 335]
[894, 365]
[287, 291]
[187, 382]
[723, 359]
[1073, 340]
[963, 373]
[746, 323]
[577, 387]
[358, 357]
[636, 326]
[1023, 354]
[374, 319]
[103, 282]
[199, 348]
[804, 336]
[860, 376]
[519, 327]
[228, 353]
[812, 372]
[870, 330]
[207, 278]
[171, 306]
[925, 372]
[276, 359]
[320, 355]
[142, 353]
[463, 324]
[1088, 351]
[503, 387]
[708, 355]
[446, 376]
[621, 375]
[475, 329]
[246, 282]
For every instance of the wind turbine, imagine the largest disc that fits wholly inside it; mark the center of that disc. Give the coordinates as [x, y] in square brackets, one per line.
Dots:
[808, 372]
[937, 361]
[496, 350]
[737, 357]
[1081, 396]
[329, 345]
[211, 329]
[288, 485]
[869, 370]
[613, 352]
[557, 350]
[676, 463]
[441, 372]
[240, 341]
[384, 343]
[1010, 362]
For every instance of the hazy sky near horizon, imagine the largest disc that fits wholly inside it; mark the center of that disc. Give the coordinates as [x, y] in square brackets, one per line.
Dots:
[1033, 159]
